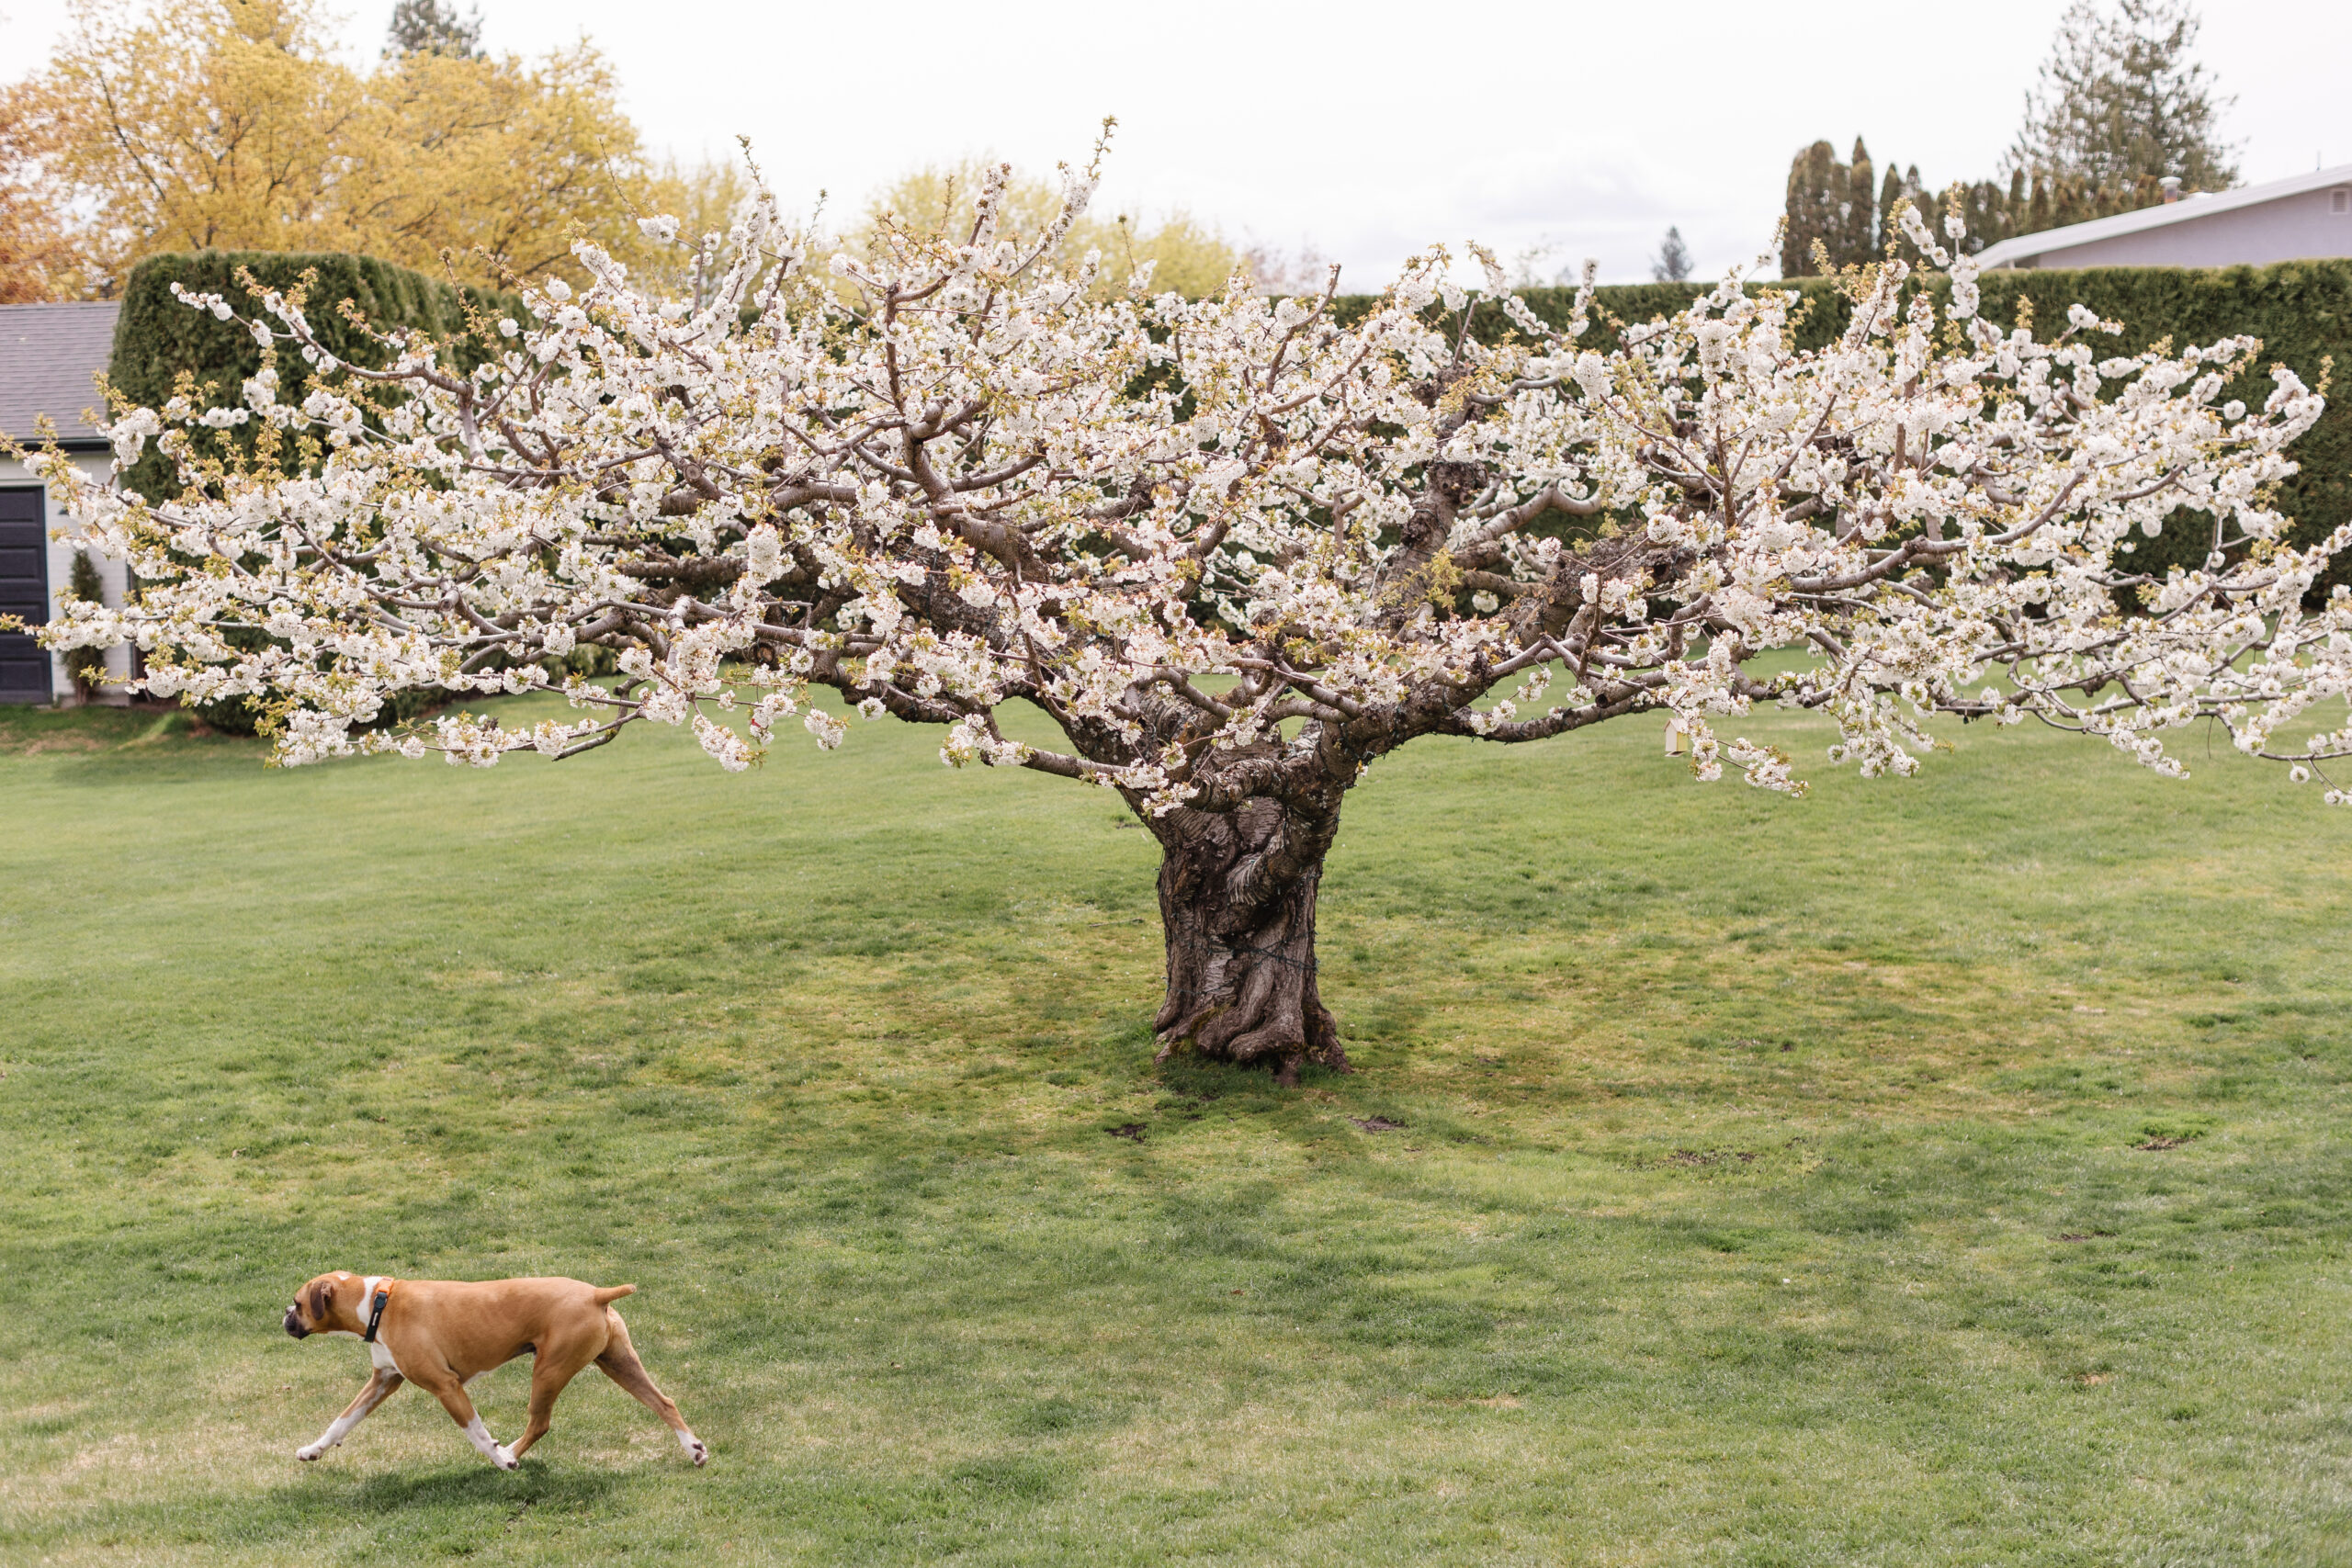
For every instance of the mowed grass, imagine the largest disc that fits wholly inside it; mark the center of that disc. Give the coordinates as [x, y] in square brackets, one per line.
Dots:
[1944, 1171]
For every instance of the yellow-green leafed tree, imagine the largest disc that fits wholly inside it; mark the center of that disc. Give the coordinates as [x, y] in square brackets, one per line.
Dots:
[199, 124]
[42, 256]
[227, 124]
[1190, 258]
[704, 197]
[509, 157]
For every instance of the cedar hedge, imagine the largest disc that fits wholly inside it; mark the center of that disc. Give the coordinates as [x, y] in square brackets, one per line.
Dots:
[157, 338]
[2302, 311]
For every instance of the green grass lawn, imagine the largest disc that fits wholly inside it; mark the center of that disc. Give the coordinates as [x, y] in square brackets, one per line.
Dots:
[1943, 1171]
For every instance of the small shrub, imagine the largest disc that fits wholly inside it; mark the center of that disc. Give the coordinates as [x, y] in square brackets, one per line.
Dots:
[86, 667]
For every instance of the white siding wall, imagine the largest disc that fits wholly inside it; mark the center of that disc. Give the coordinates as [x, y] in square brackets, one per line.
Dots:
[2289, 229]
[97, 466]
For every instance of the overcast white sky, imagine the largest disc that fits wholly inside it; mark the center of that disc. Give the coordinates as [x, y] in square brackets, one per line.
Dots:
[1369, 130]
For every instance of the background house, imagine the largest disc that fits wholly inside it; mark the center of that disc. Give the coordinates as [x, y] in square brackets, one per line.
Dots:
[49, 355]
[2292, 220]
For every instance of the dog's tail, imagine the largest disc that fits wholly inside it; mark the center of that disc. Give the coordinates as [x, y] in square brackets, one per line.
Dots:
[608, 1294]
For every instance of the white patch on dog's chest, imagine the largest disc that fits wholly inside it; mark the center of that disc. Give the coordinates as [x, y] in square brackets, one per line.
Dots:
[381, 1355]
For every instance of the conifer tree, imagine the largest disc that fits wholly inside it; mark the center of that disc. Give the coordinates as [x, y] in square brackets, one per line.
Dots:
[1857, 238]
[2119, 101]
[1807, 207]
[1830, 204]
[430, 26]
[1673, 262]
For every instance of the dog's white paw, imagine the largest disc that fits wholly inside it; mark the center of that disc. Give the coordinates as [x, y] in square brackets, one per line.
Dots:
[309, 1451]
[505, 1458]
[692, 1444]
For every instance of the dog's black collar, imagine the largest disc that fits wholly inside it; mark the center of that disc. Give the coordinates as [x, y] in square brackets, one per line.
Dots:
[376, 1311]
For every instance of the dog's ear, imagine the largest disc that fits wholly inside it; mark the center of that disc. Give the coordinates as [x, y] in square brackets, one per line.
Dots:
[321, 1300]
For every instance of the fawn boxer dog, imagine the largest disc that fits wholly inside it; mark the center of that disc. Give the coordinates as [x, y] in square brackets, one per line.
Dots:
[442, 1333]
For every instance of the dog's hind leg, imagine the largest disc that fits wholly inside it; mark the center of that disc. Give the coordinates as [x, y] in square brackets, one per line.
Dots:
[379, 1387]
[554, 1366]
[443, 1384]
[620, 1363]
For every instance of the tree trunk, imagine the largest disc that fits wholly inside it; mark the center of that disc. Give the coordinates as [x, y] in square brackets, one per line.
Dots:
[1236, 897]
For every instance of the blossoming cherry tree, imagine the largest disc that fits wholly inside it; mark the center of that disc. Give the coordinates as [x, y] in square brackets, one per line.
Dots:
[1235, 550]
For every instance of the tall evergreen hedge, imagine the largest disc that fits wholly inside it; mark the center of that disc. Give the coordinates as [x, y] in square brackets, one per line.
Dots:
[2302, 311]
[157, 338]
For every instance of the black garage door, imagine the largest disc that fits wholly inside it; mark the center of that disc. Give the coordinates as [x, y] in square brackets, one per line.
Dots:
[24, 591]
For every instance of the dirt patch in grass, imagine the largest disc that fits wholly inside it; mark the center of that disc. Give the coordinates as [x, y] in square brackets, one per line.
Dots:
[64, 741]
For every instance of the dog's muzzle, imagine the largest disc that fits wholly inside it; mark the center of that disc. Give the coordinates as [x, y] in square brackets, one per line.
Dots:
[294, 1325]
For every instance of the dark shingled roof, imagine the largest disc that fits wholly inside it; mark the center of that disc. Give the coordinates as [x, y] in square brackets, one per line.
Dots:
[48, 356]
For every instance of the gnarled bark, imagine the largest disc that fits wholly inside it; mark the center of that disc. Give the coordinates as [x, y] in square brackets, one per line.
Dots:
[1236, 898]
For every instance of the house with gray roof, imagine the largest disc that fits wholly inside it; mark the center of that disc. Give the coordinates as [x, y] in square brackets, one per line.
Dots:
[2291, 219]
[49, 357]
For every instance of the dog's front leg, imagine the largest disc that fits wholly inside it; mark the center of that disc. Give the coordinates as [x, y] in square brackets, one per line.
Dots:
[451, 1390]
[379, 1387]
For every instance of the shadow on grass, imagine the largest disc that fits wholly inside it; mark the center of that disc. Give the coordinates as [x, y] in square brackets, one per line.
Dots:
[417, 1506]
[535, 1482]
[1194, 1089]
